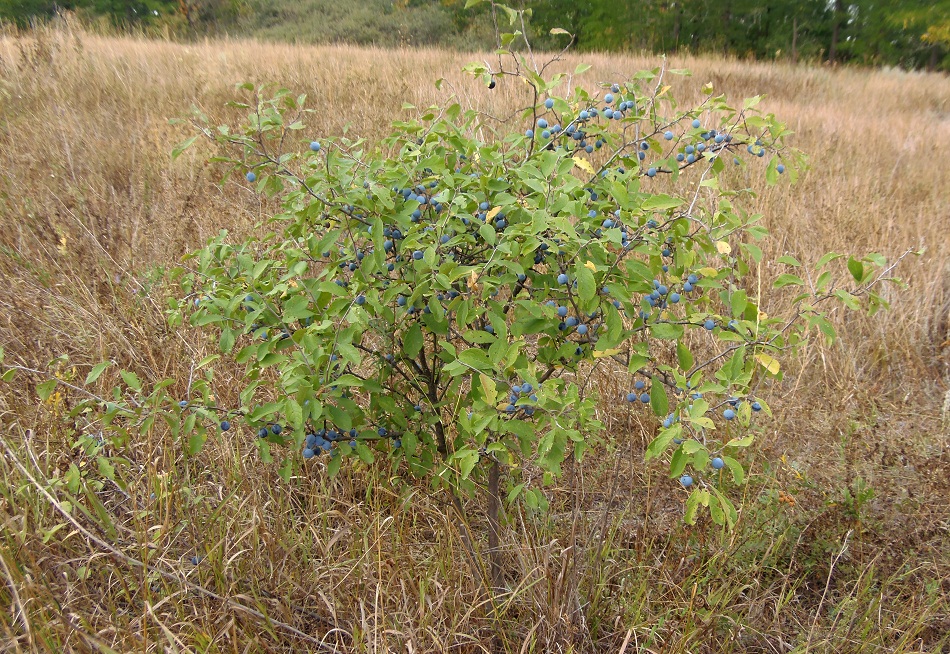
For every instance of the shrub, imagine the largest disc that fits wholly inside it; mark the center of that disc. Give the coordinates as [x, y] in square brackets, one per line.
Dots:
[430, 301]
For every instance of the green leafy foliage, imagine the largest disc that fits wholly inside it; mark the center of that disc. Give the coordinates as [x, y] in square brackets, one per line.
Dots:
[433, 301]
[430, 301]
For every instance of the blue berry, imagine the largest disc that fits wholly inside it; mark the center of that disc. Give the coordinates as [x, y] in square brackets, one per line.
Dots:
[315, 146]
[225, 425]
[718, 463]
[251, 177]
[728, 414]
[686, 480]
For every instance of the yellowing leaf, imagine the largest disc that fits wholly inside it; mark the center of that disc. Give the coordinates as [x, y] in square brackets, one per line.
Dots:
[762, 315]
[590, 265]
[584, 165]
[491, 214]
[723, 247]
[473, 281]
[663, 91]
[708, 272]
[606, 353]
[768, 362]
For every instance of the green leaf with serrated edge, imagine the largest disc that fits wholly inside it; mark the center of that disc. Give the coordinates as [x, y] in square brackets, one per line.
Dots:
[96, 372]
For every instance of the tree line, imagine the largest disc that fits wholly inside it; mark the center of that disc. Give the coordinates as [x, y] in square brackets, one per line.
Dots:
[912, 34]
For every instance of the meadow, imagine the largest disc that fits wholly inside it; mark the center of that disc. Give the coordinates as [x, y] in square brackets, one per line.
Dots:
[844, 539]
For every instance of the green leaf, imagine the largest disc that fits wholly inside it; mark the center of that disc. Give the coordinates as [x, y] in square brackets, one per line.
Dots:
[467, 460]
[586, 286]
[476, 358]
[786, 279]
[412, 341]
[658, 399]
[666, 331]
[715, 511]
[131, 380]
[738, 474]
[738, 302]
[45, 389]
[684, 356]
[826, 259]
[741, 442]
[8, 375]
[692, 504]
[184, 145]
[661, 202]
[293, 412]
[659, 444]
[196, 441]
[106, 469]
[96, 372]
[856, 268]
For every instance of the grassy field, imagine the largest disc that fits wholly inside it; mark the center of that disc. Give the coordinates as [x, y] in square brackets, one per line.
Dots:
[844, 540]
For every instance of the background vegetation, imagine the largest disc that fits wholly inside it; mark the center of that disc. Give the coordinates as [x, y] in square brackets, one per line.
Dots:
[911, 34]
[842, 544]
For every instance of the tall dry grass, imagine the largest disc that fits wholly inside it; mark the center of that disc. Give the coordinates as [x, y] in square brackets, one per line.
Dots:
[90, 202]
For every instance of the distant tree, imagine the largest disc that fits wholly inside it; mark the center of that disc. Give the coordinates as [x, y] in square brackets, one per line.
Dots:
[23, 12]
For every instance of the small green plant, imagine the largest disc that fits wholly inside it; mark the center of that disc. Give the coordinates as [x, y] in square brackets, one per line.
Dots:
[431, 301]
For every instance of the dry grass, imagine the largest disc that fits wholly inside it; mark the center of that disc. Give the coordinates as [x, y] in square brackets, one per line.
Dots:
[90, 202]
